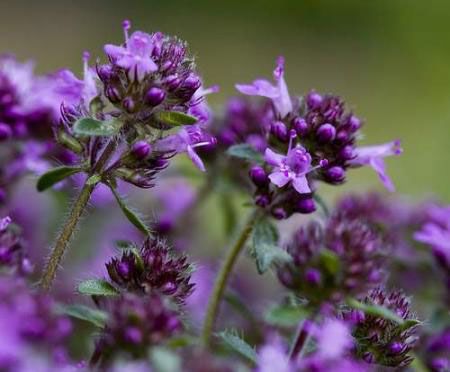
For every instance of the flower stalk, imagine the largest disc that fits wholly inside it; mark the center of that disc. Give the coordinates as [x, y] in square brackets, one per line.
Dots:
[222, 279]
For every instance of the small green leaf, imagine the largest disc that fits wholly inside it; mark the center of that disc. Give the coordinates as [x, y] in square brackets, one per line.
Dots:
[92, 127]
[130, 215]
[97, 287]
[246, 152]
[319, 200]
[93, 180]
[164, 360]
[175, 118]
[124, 244]
[94, 316]
[233, 341]
[265, 248]
[375, 310]
[54, 176]
[181, 341]
[330, 261]
[285, 315]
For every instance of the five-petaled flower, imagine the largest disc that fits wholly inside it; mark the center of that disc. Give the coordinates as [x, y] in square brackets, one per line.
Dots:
[294, 166]
[135, 56]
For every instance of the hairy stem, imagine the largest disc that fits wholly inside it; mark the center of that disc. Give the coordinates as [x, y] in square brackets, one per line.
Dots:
[222, 278]
[69, 227]
[64, 237]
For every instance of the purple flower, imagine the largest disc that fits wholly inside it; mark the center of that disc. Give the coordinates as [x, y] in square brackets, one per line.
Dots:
[135, 56]
[374, 156]
[334, 339]
[273, 355]
[436, 233]
[277, 93]
[186, 140]
[292, 167]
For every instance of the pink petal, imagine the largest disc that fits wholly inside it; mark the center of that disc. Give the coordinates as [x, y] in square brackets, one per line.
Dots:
[300, 184]
[195, 159]
[273, 158]
[378, 165]
[279, 178]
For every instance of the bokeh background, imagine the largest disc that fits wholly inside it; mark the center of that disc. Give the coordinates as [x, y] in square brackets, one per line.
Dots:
[390, 59]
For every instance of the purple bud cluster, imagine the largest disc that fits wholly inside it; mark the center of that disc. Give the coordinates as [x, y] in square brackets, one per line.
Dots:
[343, 258]
[148, 87]
[381, 340]
[306, 140]
[154, 269]
[135, 323]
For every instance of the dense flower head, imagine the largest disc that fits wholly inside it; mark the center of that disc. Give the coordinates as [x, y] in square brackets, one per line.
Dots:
[155, 268]
[327, 133]
[329, 262]
[12, 252]
[148, 88]
[384, 341]
[29, 325]
[135, 324]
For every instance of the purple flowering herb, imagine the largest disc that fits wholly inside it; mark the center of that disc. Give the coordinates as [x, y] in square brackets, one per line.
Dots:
[343, 258]
[383, 341]
[135, 324]
[153, 269]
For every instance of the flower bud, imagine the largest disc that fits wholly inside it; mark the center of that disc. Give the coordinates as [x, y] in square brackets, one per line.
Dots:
[113, 94]
[172, 82]
[335, 174]
[129, 105]
[354, 123]
[258, 176]
[326, 133]
[346, 153]
[279, 130]
[155, 96]
[306, 206]
[314, 100]
[300, 126]
[262, 200]
[279, 213]
[141, 149]
[313, 276]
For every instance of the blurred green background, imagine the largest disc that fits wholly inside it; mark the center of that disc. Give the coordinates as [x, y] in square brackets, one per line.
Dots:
[388, 58]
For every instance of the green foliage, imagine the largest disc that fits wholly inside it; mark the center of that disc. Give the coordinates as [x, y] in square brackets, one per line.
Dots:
[245, 152]
[285, 315]
[265, 247]
[93, 127]
[94, 316]
[97, 287]
[237, 344]
[175, 118]
[129, 214]
[55, 175]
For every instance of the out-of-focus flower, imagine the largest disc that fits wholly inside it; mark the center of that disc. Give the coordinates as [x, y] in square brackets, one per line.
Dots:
[135, 324]
[328, 263]
[437, 351]
[29, 327]
[383, 341]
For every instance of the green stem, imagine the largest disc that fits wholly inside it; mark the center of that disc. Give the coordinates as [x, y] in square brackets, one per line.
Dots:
[222, 278]
[65, 236]
[69, 227]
